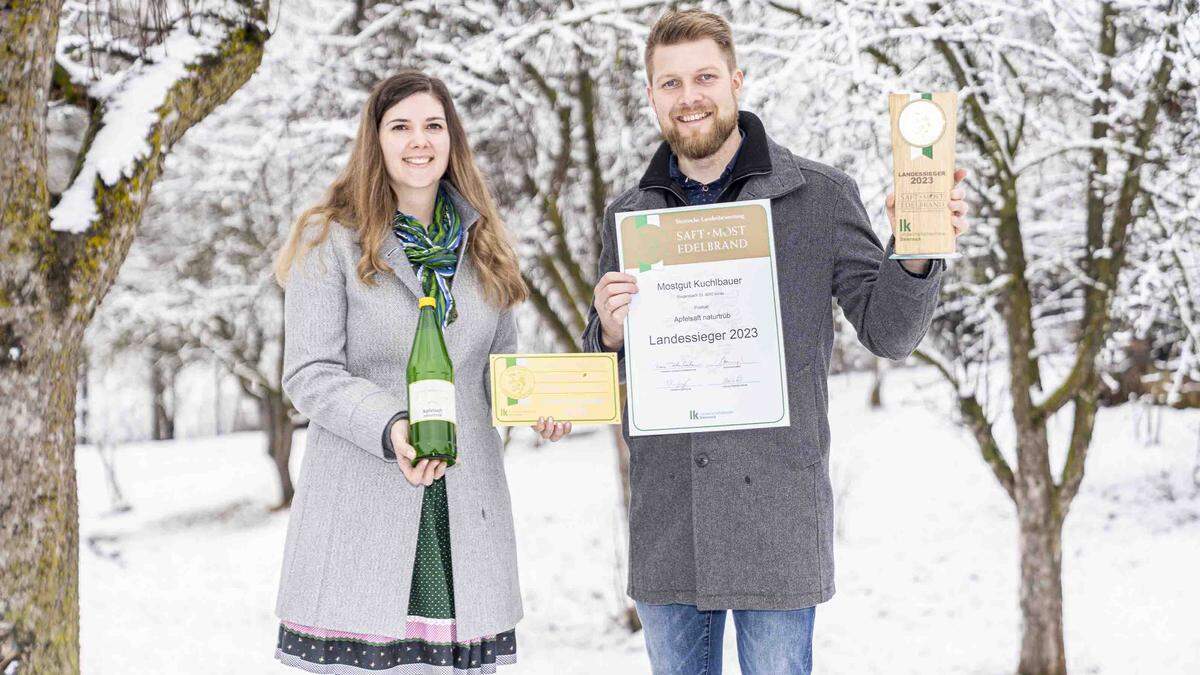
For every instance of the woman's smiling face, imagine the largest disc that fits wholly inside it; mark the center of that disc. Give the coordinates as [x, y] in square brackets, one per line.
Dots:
[415, 141]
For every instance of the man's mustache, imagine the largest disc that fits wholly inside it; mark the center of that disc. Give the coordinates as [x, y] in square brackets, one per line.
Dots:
[679, 112]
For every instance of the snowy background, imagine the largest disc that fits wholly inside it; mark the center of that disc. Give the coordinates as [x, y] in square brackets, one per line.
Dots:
[179, 569]
[926, 551]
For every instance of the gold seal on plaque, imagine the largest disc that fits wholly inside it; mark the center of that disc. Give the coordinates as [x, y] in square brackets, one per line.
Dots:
[517, 382]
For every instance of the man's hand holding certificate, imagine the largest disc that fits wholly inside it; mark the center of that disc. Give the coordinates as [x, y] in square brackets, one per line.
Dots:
[703, 343]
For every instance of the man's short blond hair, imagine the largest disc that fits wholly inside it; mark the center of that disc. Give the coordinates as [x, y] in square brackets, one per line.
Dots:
[690, 25]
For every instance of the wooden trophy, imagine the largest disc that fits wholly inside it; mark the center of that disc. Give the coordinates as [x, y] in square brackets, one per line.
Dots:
[923, 127]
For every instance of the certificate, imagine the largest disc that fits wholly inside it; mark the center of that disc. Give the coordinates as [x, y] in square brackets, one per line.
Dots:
[578, 388]
[703, 338]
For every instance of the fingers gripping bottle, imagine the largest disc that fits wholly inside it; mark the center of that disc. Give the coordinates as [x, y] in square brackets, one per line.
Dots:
[431, 390]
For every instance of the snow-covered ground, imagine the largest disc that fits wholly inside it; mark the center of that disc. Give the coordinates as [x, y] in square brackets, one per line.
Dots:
[927, 556]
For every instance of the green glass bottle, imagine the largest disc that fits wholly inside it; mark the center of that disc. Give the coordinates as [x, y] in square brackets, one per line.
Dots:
[431, 418]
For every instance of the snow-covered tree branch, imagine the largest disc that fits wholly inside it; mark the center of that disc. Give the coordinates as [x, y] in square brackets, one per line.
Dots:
[57, 264]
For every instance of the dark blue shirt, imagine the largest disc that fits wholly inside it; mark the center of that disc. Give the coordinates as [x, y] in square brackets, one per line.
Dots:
[697, 193]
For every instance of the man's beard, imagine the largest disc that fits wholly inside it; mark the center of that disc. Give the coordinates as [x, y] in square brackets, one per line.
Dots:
[705, 145]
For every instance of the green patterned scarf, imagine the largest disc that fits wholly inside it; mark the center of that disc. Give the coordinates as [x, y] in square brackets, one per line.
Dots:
[433, 251]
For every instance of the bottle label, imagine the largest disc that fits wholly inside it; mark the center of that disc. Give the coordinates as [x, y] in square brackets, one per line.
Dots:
[431, 400]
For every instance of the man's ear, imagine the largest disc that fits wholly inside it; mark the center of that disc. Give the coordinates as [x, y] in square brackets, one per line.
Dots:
[650, 98]
[737, 78]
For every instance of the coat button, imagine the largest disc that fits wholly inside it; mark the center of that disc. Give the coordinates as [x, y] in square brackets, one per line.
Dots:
[701, 460]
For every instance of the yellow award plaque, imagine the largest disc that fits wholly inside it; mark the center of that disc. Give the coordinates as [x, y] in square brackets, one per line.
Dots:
[577, 388]
[923, 126]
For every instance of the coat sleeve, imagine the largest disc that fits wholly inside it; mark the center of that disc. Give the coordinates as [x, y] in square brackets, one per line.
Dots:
[889, 307]
[608, 263]
[506, 341]
[315, 376]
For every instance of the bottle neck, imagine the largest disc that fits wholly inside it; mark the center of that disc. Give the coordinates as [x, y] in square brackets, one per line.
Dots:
[428, 318]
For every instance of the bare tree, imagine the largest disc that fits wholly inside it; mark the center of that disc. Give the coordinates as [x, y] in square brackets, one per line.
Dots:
[1078, 122]
[1122, 135]
[1069, 115]
[141, 93]
[164, 365]
[201, 277]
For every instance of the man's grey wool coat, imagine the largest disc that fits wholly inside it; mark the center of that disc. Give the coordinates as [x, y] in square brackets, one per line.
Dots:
[352, 534]
[744, 519]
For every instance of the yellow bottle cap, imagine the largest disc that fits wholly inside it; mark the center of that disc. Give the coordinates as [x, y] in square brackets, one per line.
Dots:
[426, 302]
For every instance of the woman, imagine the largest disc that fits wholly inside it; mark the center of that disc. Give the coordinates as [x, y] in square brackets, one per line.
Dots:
[388, 566]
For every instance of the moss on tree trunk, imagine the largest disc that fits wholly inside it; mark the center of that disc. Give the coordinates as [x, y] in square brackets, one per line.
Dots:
[50, 286]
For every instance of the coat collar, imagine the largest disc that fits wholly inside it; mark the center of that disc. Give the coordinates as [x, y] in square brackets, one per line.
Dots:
[393, 254]
[784, 177]
[766, 168]
[467, 214]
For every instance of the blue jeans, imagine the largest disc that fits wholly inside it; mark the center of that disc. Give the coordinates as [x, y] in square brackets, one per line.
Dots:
[683, 640]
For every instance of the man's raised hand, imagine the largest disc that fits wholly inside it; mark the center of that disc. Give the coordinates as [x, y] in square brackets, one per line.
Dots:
[614, 292]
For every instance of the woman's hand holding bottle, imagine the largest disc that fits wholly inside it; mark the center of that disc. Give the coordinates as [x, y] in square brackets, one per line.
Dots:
[423, 472]
[426, 471]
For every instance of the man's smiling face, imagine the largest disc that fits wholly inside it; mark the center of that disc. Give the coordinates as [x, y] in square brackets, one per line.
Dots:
[694, 95]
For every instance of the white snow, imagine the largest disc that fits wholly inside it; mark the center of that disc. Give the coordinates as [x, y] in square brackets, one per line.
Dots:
[927, 562]
[131, 99]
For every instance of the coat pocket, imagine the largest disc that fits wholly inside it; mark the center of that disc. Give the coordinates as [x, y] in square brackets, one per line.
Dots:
[807, 407]
[757, 525]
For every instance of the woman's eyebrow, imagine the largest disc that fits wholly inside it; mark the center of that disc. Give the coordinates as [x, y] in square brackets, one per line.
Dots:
[405, 119]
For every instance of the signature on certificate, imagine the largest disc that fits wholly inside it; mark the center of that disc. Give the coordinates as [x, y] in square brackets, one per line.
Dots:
[677, 384]
[689, 365]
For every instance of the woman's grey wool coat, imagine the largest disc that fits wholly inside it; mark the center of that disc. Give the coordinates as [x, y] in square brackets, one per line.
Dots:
[352, 535]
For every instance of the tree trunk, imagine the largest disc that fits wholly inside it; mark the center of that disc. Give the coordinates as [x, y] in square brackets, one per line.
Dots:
[39, 552]
[875, 400]
[162, 386]
[216, 398]
[50, 285]
[108, 456]
[629, 614]
[622, 469]
[279, 427]
[1040, 527]
[39, 366]
[1042, 648]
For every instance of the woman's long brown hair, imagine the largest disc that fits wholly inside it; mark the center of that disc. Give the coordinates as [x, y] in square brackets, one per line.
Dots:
[361, 199]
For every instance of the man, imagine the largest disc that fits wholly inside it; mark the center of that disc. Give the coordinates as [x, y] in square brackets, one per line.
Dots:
[743, 520]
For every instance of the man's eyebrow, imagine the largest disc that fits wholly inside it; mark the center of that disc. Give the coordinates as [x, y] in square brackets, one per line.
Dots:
[701, 69]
